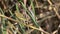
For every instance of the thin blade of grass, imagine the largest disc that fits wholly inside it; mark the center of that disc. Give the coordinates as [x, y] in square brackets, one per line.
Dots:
[33, 19]
[32, 5]
[12, 15]
[3, 23]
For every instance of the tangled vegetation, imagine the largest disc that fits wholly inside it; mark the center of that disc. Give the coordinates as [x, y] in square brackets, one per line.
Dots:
[29, 16]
